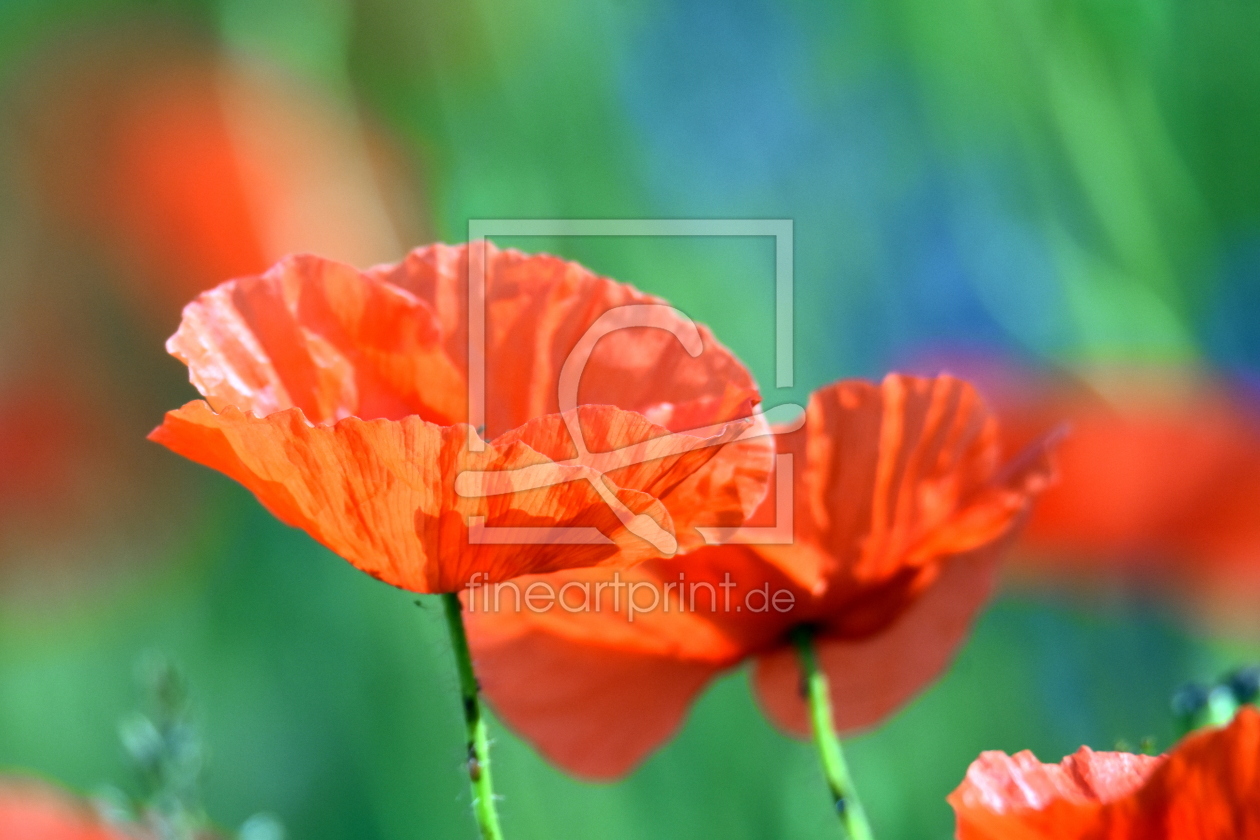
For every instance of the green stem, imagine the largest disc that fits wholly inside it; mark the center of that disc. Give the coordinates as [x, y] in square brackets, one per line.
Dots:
[478, 742]
[847, 805]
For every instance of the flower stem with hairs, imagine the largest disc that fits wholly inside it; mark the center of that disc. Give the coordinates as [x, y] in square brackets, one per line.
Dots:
[848, 807]
[478, 742]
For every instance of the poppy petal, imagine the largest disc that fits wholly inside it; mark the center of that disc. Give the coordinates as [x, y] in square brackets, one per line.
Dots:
[939, 508]
[724, 493]
[1013, 782]
[594, 685]
[538, 308]
[391, 341]
[878, 470]
[595, 711]
[1208, 788]
[872, 677]
[386, 496]
[320, 336]
[713, 476]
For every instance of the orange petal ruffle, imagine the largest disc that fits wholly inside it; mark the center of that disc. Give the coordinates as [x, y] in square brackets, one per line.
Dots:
[336, 342]
[890, 478]
[317, 335]
[538, 307]
[1207, 788]
[387, 496]
[914, 559]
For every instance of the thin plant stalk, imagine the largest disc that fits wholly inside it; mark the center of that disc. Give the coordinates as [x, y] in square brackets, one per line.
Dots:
[478, 742]
[818, 694]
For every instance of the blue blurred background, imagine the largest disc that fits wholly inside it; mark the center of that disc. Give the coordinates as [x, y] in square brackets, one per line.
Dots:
[1067, 185]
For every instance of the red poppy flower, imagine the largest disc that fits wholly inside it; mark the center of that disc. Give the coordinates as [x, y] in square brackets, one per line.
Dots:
[339, 398]
[1207, 788]
[898, 507]
[31, 811]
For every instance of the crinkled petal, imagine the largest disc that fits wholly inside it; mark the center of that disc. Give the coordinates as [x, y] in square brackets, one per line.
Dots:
[320, 336]
[725, 492]
[880, 471]
[1002, 782]
[324, 337]
[900, 538]
[537, 310]
[712, 477]
[387, 495]
[1207, 788]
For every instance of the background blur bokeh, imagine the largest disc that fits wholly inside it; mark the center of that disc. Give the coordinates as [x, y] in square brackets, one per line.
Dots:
[1069, 186]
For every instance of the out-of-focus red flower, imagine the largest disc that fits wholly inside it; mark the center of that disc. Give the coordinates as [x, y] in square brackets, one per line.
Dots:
[898, 508]
[1207, 788]
[339, 398]
[190, 166]
[148, 165]
[41, 428]
[67, 470]
[32, 811]
[1159, 484]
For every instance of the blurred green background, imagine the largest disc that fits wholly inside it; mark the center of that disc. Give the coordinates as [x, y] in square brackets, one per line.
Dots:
[1063, 184]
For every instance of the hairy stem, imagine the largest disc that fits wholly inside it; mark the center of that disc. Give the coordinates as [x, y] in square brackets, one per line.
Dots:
[478, 742]
[818, 694]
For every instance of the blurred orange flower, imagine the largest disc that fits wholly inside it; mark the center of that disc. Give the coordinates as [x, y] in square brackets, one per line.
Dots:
[1207, 788]
[340, 397]
[45, 439]
[72, 482]
[1158, 484]
[188, 165]
[896, 509]
[32, 811]
[149, 164]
